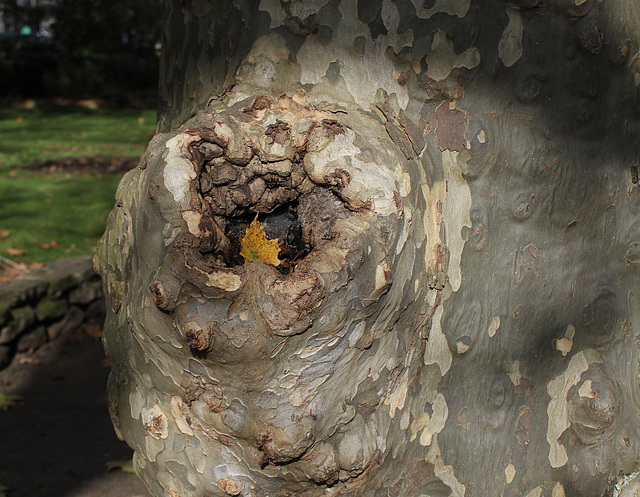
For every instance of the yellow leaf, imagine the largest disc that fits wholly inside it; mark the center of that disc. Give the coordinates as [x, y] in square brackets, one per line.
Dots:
[254, 246]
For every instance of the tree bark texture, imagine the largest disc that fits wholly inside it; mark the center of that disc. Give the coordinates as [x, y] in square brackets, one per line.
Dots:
[455, 187]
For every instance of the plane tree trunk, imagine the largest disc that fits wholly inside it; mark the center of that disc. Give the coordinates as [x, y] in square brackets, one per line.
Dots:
[455, 309]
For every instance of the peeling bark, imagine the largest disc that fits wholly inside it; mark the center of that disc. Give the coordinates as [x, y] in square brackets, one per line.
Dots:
[454, 189]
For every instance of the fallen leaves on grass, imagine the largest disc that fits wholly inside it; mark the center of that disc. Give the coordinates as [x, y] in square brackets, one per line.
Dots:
[124, 466]
[7, 401]
[255, 246]
[14, 252]
[9, 275]
[10, 270]
[49, 245]
[4, 234]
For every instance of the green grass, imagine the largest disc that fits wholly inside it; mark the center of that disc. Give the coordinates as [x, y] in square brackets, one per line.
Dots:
[38, 134]
[46, 217]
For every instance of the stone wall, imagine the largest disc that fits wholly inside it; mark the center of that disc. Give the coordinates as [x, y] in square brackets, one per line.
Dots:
[47, 302]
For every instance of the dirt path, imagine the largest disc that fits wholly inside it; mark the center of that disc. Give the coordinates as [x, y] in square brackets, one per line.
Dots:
[58, 439]
[96, 166]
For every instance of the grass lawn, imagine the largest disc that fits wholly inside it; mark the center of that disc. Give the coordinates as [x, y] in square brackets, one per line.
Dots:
[48, 216]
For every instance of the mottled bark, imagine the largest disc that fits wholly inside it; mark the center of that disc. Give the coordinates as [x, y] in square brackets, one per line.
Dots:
[458, 313]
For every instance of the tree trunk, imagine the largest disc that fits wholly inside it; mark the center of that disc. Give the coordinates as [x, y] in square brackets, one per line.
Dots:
[454, 187]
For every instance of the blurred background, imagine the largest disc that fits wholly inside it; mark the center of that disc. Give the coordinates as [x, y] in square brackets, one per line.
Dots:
[106, 49]
[78, 84]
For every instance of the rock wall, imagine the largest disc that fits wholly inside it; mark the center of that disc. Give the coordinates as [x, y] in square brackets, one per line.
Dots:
[47, 302]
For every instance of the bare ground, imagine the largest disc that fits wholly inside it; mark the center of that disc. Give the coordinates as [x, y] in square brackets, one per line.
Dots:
[57, 440]
[96, 165]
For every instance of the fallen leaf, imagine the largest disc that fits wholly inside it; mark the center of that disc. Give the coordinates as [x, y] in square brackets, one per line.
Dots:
[4, 234]
[13, 252]
[51, 245]
[124, 466]
[10, 269]
[92, 331]
[7, 401]
[255, 246]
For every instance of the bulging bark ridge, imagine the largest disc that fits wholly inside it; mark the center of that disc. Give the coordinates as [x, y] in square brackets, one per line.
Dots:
[250, 360]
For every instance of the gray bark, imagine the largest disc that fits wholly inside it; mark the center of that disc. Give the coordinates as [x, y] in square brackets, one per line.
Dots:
[457, 186]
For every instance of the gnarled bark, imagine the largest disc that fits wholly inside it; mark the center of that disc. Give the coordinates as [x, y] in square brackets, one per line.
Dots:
[456, 311]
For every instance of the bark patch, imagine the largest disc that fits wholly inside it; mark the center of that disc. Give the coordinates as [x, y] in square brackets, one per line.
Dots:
[449, 126]
[339, 178]
[523, 431]
[332, 126]
[302, 27]
[259, 103]
[279, 132]
[406, 134]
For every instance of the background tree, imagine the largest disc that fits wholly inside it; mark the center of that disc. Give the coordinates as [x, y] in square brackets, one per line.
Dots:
[108, 27]
[454, 185]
